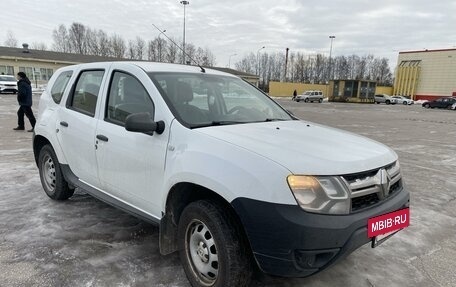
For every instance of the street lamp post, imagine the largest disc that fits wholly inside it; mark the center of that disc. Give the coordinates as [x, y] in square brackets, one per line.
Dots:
[330, 64]
[258, 59]
[160, 46]
[229, 60]
[330, 52]
[258, 62]
[185, 3]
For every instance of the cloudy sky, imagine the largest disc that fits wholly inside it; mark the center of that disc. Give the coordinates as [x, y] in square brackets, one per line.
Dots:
[382, 28]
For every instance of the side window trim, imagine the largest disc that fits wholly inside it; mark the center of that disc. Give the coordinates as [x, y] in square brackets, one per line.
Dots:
[69, 101]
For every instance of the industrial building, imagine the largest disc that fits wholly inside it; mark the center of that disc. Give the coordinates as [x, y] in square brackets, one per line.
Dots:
[426, 74]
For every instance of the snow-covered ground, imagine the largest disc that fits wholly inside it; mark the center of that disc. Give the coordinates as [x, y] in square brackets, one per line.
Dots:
[84, 242]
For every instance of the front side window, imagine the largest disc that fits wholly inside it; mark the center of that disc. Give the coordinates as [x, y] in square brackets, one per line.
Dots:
[85, 94]
[126, 96]
[199, 100]
[59, 86]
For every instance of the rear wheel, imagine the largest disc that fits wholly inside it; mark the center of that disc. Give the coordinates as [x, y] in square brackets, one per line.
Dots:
[52, 180]
[387, 102]
[306, 100]
[211, 247]
[320, 101]
[404, 102]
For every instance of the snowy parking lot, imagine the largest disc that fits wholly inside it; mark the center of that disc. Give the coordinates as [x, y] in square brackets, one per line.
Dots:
[84, 242]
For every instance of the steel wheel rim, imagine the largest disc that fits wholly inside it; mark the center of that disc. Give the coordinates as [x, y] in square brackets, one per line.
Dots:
[202, 252]
[48, 172]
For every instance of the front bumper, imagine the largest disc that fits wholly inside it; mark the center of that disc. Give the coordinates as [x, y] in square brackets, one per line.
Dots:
[5, 89]
[287, 241]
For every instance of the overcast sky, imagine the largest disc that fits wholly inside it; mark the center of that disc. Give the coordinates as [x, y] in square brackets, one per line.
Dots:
[382, 28]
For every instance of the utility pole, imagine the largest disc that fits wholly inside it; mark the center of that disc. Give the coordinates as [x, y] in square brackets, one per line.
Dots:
[286, 62]
[185, 3]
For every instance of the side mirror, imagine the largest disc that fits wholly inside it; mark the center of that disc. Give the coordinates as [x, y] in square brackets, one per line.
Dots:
[142, 123]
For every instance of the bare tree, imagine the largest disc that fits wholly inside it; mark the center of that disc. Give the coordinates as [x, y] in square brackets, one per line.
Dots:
[139, 47]
[61, 39]
[78, 41]
[91, 40]
[118, 46]
[171, 52]
[11, 40]
[104, 44]
[152, 51]
[39, 46]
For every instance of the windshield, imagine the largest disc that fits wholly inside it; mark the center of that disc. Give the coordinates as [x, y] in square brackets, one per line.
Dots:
[199, 100]
[7, 79]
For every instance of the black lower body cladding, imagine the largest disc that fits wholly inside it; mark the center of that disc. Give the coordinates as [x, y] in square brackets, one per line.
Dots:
[287, 241]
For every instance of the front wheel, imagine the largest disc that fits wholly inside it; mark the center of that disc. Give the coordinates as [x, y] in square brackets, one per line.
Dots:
[320, 101]
[52, 180]
[426, 106]
[211, 247]
[306, 100]
[405, 103]
[387, 102]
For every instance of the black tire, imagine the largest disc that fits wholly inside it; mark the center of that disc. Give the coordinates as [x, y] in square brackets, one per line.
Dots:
[427, 106]
[209, 238]
[387, 102]
[306, 100]
[52, 180]
[297, 100]
[377, 103]
[404, 102]
[320, 101]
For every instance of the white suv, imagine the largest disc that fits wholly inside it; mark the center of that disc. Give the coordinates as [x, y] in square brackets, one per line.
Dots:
[231, 177]
[8, 84]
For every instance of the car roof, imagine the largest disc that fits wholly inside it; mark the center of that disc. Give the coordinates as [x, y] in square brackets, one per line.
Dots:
[159, 67]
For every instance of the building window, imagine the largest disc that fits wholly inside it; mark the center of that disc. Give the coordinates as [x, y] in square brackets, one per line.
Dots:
[37, 74]
[46, 74]
[6, 70]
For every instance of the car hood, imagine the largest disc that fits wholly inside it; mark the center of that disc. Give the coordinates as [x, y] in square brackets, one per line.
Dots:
[306, 148]
[8, 83]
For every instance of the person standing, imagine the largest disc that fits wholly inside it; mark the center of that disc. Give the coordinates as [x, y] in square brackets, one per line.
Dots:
[294, 95]
[24, 98]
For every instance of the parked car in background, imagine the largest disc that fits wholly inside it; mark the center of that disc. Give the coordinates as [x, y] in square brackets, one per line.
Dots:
[453, 107]
[441, 103]
[310, 96]
[383, 98]
[8, 84]
[403, 100]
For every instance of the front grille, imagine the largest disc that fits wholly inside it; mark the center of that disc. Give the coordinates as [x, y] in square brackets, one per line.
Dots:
[371, 187]
[362, 202]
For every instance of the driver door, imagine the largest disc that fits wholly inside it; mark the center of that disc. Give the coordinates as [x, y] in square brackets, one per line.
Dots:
[131, 165]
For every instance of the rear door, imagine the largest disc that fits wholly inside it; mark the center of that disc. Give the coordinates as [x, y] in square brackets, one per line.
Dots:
[77, 123]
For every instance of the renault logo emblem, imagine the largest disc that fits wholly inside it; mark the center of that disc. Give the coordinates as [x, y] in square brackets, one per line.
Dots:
[385, 182]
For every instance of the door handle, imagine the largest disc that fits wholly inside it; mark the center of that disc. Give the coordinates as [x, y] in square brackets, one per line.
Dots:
[102, 138]
[64, 124]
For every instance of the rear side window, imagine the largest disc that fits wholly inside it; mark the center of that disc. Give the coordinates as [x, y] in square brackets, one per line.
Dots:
[85, 94]
[59, 86]
[126, 96]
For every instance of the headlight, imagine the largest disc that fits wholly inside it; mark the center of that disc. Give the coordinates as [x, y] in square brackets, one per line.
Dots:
[320, 194]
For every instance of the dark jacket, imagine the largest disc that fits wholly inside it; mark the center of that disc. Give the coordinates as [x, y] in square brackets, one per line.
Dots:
[24, 92]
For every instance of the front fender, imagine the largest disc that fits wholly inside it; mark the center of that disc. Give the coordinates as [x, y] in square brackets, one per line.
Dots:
[224, 168]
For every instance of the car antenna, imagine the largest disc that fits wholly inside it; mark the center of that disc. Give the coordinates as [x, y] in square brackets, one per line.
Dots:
[163, 32]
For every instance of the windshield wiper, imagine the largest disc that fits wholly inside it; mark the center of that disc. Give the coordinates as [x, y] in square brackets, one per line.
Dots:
[273, 120]
[216, 123]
